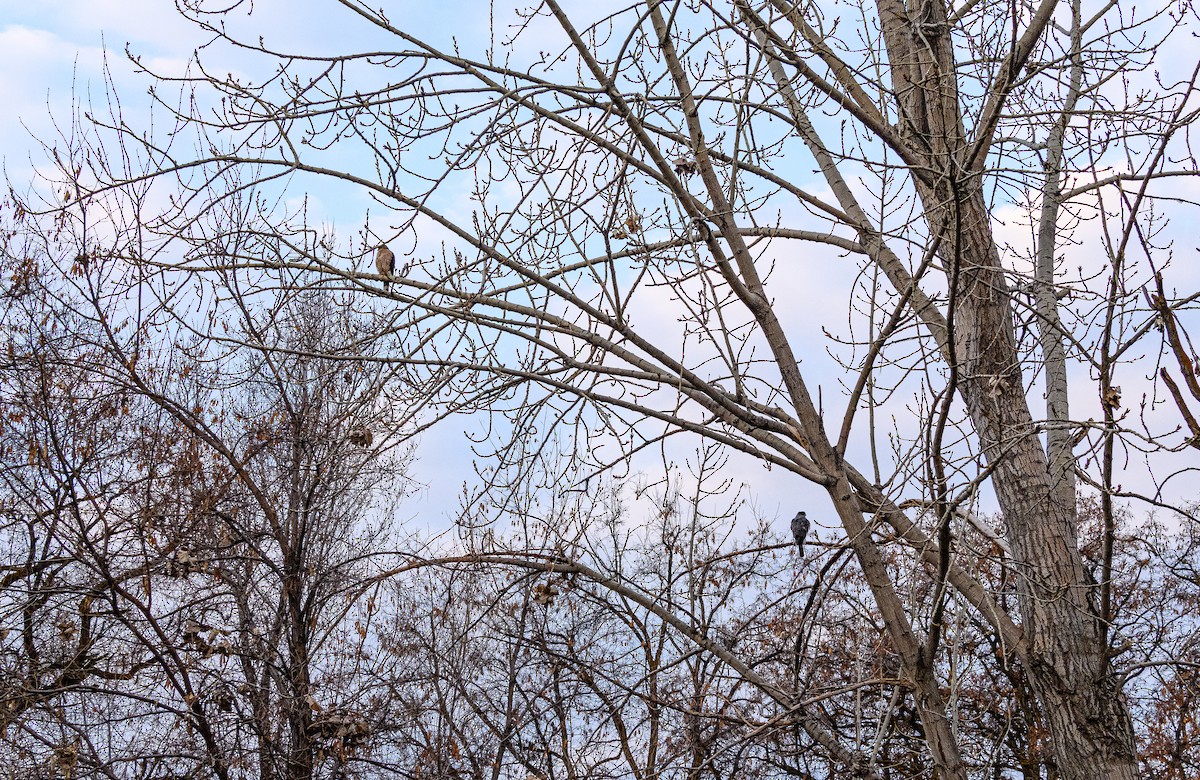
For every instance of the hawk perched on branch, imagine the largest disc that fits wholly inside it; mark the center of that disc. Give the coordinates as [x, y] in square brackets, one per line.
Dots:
[385, 263]
[800, 530]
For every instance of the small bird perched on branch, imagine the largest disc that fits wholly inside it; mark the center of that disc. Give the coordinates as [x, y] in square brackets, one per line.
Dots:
[385, 263]
[800, 530]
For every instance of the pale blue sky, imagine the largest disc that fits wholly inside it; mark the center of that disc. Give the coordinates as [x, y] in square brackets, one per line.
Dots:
[55, 51]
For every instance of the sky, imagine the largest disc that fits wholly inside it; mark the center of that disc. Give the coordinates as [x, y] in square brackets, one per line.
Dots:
[59, 53]
[56, 54]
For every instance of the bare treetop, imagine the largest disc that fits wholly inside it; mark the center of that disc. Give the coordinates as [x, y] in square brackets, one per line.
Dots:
[907, 253]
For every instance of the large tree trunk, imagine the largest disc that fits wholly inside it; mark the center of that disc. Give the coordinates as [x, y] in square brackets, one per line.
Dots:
[1090, 724]
[1068, 663]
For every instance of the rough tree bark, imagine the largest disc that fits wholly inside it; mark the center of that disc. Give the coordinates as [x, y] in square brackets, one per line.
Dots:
[1067, 659]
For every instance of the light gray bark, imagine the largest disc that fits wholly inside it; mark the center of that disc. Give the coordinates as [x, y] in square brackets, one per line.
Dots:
[1045, 299]
[1090, 723]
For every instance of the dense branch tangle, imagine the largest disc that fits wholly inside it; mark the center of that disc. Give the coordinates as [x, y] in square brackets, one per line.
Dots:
[618, 234]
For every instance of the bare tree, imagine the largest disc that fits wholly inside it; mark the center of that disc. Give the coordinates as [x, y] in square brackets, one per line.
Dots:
[188, 523]
[657, 192]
